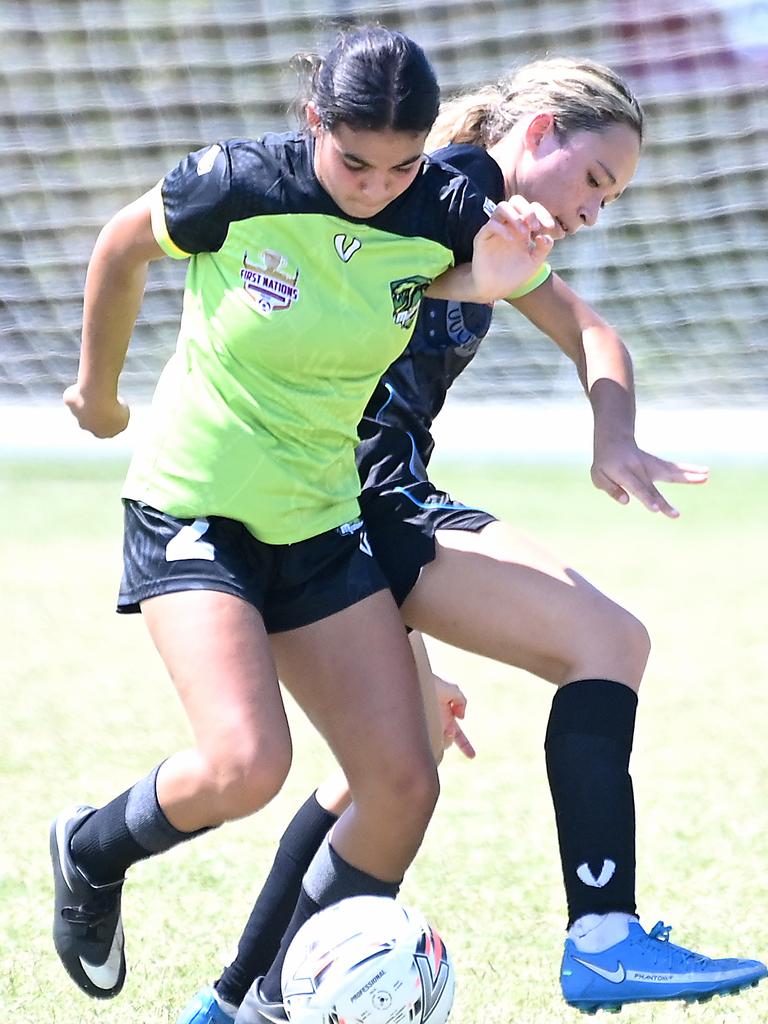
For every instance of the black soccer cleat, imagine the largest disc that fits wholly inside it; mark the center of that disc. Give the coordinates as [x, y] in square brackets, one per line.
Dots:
[254, 1009]
[87, 926]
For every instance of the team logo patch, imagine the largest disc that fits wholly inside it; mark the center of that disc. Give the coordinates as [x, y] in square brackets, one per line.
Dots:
[267, 282]
[406, 296]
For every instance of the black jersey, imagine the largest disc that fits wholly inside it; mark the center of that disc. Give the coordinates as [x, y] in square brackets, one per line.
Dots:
[448, 334]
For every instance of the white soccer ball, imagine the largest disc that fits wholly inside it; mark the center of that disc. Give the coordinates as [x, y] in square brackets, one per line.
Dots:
[368, 960]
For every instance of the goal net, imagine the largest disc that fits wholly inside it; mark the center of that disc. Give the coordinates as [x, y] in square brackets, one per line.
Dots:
[101, 97]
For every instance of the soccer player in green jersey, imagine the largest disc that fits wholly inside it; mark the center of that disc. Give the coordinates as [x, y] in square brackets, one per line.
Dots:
[308, 255]
[566, 134]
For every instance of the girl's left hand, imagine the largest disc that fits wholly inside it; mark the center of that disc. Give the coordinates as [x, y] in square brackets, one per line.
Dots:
[622, 469]
[453, 705]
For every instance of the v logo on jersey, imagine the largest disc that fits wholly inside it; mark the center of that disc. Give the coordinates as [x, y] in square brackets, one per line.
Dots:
[346, 247]
[584, 871]
[616, 976]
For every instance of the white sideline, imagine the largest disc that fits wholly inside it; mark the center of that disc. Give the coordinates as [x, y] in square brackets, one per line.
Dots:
[464, 429]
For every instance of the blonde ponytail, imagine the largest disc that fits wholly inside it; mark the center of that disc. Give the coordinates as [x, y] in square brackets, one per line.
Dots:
[465, 118]
[581, 94]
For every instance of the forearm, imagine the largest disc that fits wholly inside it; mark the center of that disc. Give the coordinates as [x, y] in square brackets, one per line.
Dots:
[427, 685]
[609, 383]
[598, 353]
[458, 284]
[114, 288]
[420, 655]
[113, 293]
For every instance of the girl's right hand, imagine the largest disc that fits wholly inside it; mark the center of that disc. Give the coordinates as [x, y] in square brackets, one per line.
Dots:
[101, 417]
[453, 705]
[511, 246]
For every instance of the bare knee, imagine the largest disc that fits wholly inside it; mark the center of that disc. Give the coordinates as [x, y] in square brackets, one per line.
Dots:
[243, 777]
[613, 645]
[638, 641]
[414, 799]
[405, 792]
[421, 792]
[630, 644]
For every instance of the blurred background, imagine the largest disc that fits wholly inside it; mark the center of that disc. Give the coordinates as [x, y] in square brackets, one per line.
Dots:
[98, 98]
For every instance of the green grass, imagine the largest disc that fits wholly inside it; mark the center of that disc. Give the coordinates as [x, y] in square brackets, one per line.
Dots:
[87, 709]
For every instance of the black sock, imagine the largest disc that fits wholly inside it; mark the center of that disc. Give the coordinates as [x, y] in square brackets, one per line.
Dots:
[129, 828]
[588, 745]
[277, 900]
[328, 880]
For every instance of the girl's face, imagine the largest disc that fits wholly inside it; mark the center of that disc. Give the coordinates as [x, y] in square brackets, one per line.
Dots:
[575, 176]
[361, 170]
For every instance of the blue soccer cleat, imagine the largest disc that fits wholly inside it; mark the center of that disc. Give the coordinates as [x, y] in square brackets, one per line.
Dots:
[204, 1008]
[648, 968]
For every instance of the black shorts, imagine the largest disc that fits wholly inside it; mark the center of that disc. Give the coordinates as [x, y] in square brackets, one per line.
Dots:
[403, 509]
[291, 585]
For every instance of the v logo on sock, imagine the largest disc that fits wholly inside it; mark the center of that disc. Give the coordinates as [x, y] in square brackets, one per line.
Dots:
[584, 871]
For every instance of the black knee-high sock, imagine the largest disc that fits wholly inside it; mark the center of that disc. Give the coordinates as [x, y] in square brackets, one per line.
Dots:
[588, 745]
[328, 880]
[129, 828]
[276, 902]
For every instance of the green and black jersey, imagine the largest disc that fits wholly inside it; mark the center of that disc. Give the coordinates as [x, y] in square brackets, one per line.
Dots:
[445, 340]
[292, 311]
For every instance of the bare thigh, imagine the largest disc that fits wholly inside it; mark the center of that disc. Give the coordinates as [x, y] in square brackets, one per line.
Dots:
[333, 793]
[218, 656]
[500, 594]
[354, 676]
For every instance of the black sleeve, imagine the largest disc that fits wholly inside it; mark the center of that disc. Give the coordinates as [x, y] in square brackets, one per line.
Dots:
[468, 210]
[477, 165]
[197, 199]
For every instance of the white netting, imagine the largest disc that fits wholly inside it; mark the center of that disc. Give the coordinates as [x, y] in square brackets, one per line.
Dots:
[98, 98]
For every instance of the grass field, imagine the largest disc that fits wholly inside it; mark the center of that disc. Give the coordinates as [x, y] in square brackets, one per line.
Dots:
[87, 709]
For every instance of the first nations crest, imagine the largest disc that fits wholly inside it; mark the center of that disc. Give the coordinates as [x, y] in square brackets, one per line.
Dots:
[267, 282]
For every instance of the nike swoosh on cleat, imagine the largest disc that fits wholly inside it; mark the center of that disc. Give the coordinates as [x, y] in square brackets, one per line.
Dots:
[616, 976]
[105, 975]
[274, 1016]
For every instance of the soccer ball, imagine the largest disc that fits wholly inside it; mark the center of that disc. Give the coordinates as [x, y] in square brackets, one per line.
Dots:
[367, 960]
